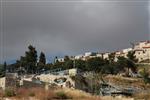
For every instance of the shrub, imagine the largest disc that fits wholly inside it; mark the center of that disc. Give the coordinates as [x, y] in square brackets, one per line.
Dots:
[31, 94]
[145, 75]
[9, 93]
[61, 95]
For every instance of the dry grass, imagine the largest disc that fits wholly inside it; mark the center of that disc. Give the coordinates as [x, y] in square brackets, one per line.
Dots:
[124, 81]
[42, 94]
[142, 96]
[77, 94]
[116, 98]
[37, 93]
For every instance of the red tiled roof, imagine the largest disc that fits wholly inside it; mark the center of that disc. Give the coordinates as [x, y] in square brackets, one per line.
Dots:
[146, 47]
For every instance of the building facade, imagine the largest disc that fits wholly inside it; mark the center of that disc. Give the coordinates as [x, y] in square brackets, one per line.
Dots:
[142, 51]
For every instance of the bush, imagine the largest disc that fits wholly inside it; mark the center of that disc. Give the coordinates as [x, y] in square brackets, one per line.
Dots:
[31, 94]
[145, 75]
[61, 95]
[9, 93]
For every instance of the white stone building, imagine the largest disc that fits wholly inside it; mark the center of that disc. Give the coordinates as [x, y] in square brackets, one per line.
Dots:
[88, 54]
[99, 55]
[79, 57]
[142, 51]
[106, 55]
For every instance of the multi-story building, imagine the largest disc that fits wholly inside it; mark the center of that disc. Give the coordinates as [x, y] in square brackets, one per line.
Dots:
[142, 51]
[122, 53]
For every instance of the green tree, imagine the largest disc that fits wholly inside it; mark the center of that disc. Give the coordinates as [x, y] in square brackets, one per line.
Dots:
[58, 65]
[49, 66]
[68, 64]
[109, 69]
[95, 64]
[125, 63]
[3, 69]
[131, 56]
[42, 61]
[80, 64]
[31, 59]
[121, 63]
[42, 58]
[145, 75]
[22, 61]
[111, 57]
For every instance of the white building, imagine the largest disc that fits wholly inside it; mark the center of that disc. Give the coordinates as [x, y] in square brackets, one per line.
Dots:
[99, 55]
[3, 83]
[142, 51]
[79, 57]
[88, 54]
[106, 55]
[127, 50]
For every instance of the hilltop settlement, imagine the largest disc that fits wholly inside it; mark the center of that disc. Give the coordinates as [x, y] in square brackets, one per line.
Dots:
[125, 72]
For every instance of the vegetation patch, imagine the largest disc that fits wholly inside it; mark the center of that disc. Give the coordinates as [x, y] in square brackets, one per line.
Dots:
[61, 95]
[9, 93]
[31, 94]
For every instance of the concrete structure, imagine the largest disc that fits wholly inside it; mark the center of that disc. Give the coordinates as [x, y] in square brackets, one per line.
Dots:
[2, 83]
[106, 55]
[9, 81]
[122, 53]
[58, 80]
[99, 55]
[73, 72]
[79, 57]
[142, 51]
[88, 54]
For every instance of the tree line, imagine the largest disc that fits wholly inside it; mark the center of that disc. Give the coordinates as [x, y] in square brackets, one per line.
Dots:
[30, 63]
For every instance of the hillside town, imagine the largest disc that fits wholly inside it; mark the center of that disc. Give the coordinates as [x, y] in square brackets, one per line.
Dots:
[101, 82]
[142, 53]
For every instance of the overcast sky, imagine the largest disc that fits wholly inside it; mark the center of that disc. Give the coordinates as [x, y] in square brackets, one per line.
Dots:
[72, 27]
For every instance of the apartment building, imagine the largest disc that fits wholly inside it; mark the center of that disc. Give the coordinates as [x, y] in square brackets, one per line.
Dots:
[142, 51]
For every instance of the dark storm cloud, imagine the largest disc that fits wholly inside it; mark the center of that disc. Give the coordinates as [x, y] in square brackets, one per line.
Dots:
[73, 27]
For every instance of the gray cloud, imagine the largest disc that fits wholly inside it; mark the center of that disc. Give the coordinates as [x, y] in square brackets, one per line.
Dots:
[59, 28]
